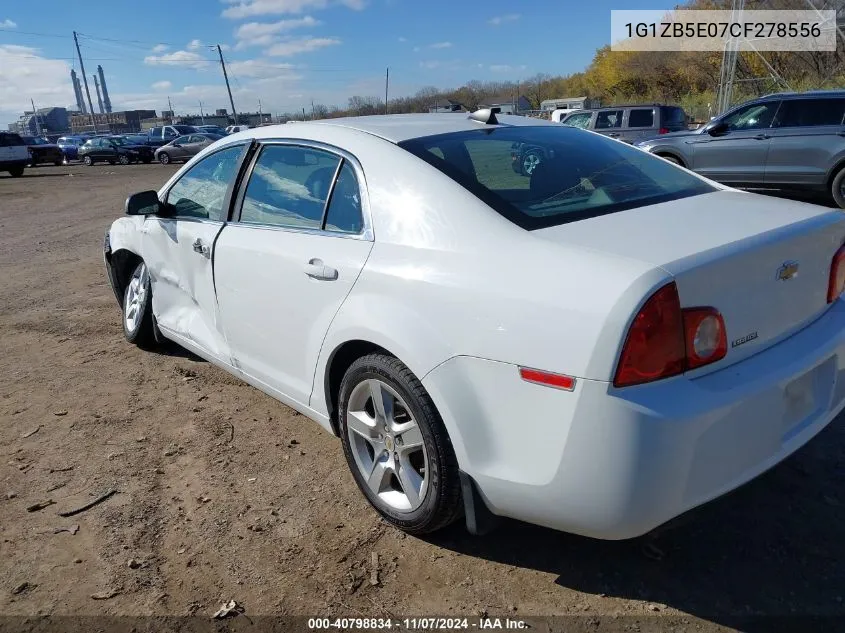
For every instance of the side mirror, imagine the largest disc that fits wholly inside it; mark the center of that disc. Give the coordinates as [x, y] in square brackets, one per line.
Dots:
[143, 203]
[717, 129]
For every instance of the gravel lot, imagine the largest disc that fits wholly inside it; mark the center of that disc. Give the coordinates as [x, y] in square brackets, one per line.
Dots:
[223, 493]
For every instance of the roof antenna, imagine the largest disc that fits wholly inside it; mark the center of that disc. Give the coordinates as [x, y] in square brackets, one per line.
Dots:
[486, 116]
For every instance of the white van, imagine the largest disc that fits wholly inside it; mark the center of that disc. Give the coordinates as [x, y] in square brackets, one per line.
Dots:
[14, 154]
[558, 114]
[232, 129]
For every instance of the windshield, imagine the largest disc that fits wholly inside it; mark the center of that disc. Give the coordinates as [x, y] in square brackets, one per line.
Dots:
[541, 176]
[34, 140]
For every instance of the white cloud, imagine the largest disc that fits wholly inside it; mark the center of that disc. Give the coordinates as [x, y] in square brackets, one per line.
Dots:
[160, 48]
[194, 45]
[261, 69]
[501, 19]
[24, 73]
[402, 39]
[177, 58]
[249, 8]
[162, 85]
[441, 45]
[505, 68]
[416, 49]
[8, 24]
[302, 45]
[264, 33]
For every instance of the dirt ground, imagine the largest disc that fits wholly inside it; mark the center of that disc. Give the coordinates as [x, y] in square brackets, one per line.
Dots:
[223, 493]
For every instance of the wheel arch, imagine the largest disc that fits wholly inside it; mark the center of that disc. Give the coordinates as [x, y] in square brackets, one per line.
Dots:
[122, 263]
[668, 153]
[837, 167]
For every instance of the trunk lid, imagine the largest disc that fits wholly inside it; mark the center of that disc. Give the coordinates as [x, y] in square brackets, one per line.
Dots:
[763, 262]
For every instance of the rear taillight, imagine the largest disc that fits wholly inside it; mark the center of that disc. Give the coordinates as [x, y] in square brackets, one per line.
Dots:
[663, 130]
[836, 286]
[665, 340]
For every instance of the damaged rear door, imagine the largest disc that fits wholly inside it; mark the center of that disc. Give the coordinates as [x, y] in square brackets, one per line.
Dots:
[179, 251]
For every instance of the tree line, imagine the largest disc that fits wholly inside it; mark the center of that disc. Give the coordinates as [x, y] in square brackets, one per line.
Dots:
[689, 79]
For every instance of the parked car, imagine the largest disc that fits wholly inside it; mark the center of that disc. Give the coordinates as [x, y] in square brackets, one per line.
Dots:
[70, 147]
[211, 129]
[596, 348]
[42, 151]
[786, 141]
[158, 136]
[630, 123]
[184, 147]
[234, 129]
[14, 155]
[114, 149]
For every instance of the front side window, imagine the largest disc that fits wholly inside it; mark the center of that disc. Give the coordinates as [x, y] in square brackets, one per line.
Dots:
[810, 112]
[609, 119]
[201, 191]
[581, 175]
[181, 140]
[641, 118]
[753, 117]
[289, 187]
[581, 120]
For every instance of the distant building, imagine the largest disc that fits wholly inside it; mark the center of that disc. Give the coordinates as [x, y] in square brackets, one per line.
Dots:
[254, 119]
[570, 103]
[117, 122]
[509, 104]
[48, 119]
[446, 105]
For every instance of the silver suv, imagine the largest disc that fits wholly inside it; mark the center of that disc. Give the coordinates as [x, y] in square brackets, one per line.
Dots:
[784, 141]
[630, 123]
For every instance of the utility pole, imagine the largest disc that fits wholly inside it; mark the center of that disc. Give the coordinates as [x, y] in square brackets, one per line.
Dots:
[85, 80]
[228, 88]
[202, 116]
[35, 114]
[386, 82]
[170, 109]
[303, 113]
[260, 120]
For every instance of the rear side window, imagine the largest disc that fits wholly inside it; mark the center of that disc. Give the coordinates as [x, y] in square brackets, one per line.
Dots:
[579, 175]
[641, 118]
[289, 187]
[810, 112]
[344, 212]
[609, 119]
[11, 140]
[672, 115]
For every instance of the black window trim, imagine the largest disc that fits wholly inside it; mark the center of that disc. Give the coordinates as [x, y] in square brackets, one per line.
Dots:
[366, 233]
[247, 146]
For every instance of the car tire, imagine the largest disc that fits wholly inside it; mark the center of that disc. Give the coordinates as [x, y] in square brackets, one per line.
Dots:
[16, 172]
[164, 158]
[670, 158]
[529, 162]
[123, 159]
[88, 161]
[112, 161]
[58, 163]
[429, 461]
[138, 325]
[147, 161]
[837, 188]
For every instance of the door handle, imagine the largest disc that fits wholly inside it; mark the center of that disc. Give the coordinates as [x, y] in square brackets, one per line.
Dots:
[201, 248]
[316, 269]
[762, 137]
[613, 134]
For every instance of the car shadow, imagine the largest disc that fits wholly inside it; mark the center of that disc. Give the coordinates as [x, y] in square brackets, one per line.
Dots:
[174, 350]
[773, 548]
[28, 174]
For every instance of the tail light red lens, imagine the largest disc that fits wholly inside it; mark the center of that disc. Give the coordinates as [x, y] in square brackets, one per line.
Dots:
[665, 340]
[654, 347]
[663, 130]
[837, 276]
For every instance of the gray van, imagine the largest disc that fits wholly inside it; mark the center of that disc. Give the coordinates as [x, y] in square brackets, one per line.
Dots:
[786, 141]
[630, 123]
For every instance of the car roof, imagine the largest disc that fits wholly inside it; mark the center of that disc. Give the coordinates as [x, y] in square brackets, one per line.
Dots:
[402, 127]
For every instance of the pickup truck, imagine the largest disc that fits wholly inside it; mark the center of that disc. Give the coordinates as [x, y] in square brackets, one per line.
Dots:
[158, 136]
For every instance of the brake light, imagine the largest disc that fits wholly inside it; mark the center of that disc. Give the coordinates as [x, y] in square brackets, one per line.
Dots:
[654, 347]
[665, 340]
[663, 130]
[836, 286]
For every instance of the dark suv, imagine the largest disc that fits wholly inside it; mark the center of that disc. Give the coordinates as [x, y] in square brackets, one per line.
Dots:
[785, 141]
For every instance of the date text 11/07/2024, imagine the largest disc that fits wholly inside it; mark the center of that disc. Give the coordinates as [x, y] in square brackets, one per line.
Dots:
[416, 624]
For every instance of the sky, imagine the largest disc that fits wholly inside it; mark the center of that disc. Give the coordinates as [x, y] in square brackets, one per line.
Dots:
[283, 53]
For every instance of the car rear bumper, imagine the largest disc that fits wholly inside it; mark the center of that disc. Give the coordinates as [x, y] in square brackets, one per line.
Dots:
[617, 463]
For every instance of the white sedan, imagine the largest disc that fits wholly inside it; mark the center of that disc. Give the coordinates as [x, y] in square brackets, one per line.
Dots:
[597, 347]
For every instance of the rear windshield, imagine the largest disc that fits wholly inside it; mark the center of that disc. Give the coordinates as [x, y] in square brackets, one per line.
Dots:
[673, 115]
[541, 176]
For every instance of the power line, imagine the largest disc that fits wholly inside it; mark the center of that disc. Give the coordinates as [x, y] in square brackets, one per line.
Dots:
[17, 32]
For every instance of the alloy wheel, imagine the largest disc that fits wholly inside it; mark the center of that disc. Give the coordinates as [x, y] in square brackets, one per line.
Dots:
[387, 445]
[136, 296]
[529, 163]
